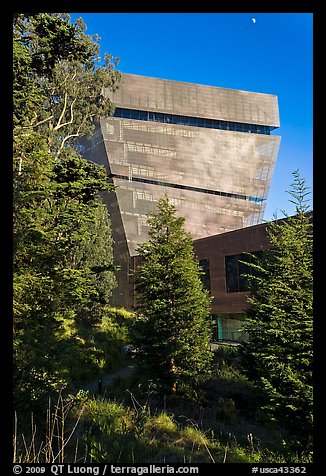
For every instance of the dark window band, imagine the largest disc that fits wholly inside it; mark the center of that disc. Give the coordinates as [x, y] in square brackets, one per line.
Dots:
[185, 187]
[237, 269]
[191, 121]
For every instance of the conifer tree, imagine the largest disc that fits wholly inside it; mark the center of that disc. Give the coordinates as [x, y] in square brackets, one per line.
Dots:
[280, 320]
[173, 332]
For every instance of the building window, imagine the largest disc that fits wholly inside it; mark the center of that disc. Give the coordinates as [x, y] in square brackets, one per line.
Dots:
[191, 121]
[205, 276]
[227, 329]
[168, 153]
[237, 267]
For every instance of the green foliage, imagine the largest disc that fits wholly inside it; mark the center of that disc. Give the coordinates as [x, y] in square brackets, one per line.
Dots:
[138, 431]
[75, 353]
[58, 77]
[137, 436]
[63, 263]
[172, 333]
[279, 352]
[117, 433]
[86, 352]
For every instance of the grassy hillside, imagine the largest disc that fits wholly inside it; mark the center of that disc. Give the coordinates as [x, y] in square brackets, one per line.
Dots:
[87, 352]
[132, 423]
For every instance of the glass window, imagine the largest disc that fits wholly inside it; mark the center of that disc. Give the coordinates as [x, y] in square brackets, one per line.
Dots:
[237, 269]
[190, 121]
[134, 114]
[143, 115]
[230, 330]
[231, 272]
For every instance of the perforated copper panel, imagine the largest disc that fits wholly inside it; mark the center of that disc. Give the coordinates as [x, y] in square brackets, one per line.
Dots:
[154, 94]
[227, 162]
[217, 179]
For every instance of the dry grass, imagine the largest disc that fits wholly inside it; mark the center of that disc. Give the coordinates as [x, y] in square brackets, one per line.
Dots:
[51, 447]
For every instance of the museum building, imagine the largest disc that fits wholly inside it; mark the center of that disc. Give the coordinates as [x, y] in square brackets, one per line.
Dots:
[211, 150]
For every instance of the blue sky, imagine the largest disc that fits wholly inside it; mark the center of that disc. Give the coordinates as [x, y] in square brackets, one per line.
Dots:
[271, 54]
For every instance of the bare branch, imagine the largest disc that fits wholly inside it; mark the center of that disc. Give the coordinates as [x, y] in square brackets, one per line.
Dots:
[34, 118]
[62, 113]
[38, 123]
[58, 126]
[65, 140]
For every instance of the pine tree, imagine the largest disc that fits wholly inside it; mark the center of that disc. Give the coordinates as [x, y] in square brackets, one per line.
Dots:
[173, 332]
[280, 320]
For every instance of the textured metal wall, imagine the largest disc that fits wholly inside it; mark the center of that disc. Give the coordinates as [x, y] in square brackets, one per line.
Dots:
[154, 94]
[220, 161]
[238, 163]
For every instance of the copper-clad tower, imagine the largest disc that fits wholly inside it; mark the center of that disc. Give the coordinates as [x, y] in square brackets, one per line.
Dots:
[209, 149]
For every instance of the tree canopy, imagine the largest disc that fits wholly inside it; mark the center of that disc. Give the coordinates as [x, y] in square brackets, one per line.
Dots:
[63, 263]
[280, 318]
[173, 332]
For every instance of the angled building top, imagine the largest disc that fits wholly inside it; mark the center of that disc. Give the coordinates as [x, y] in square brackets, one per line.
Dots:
[196, 100]
[209, 149]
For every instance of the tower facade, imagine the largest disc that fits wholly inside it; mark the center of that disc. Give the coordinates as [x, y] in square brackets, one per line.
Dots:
[209, 149]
